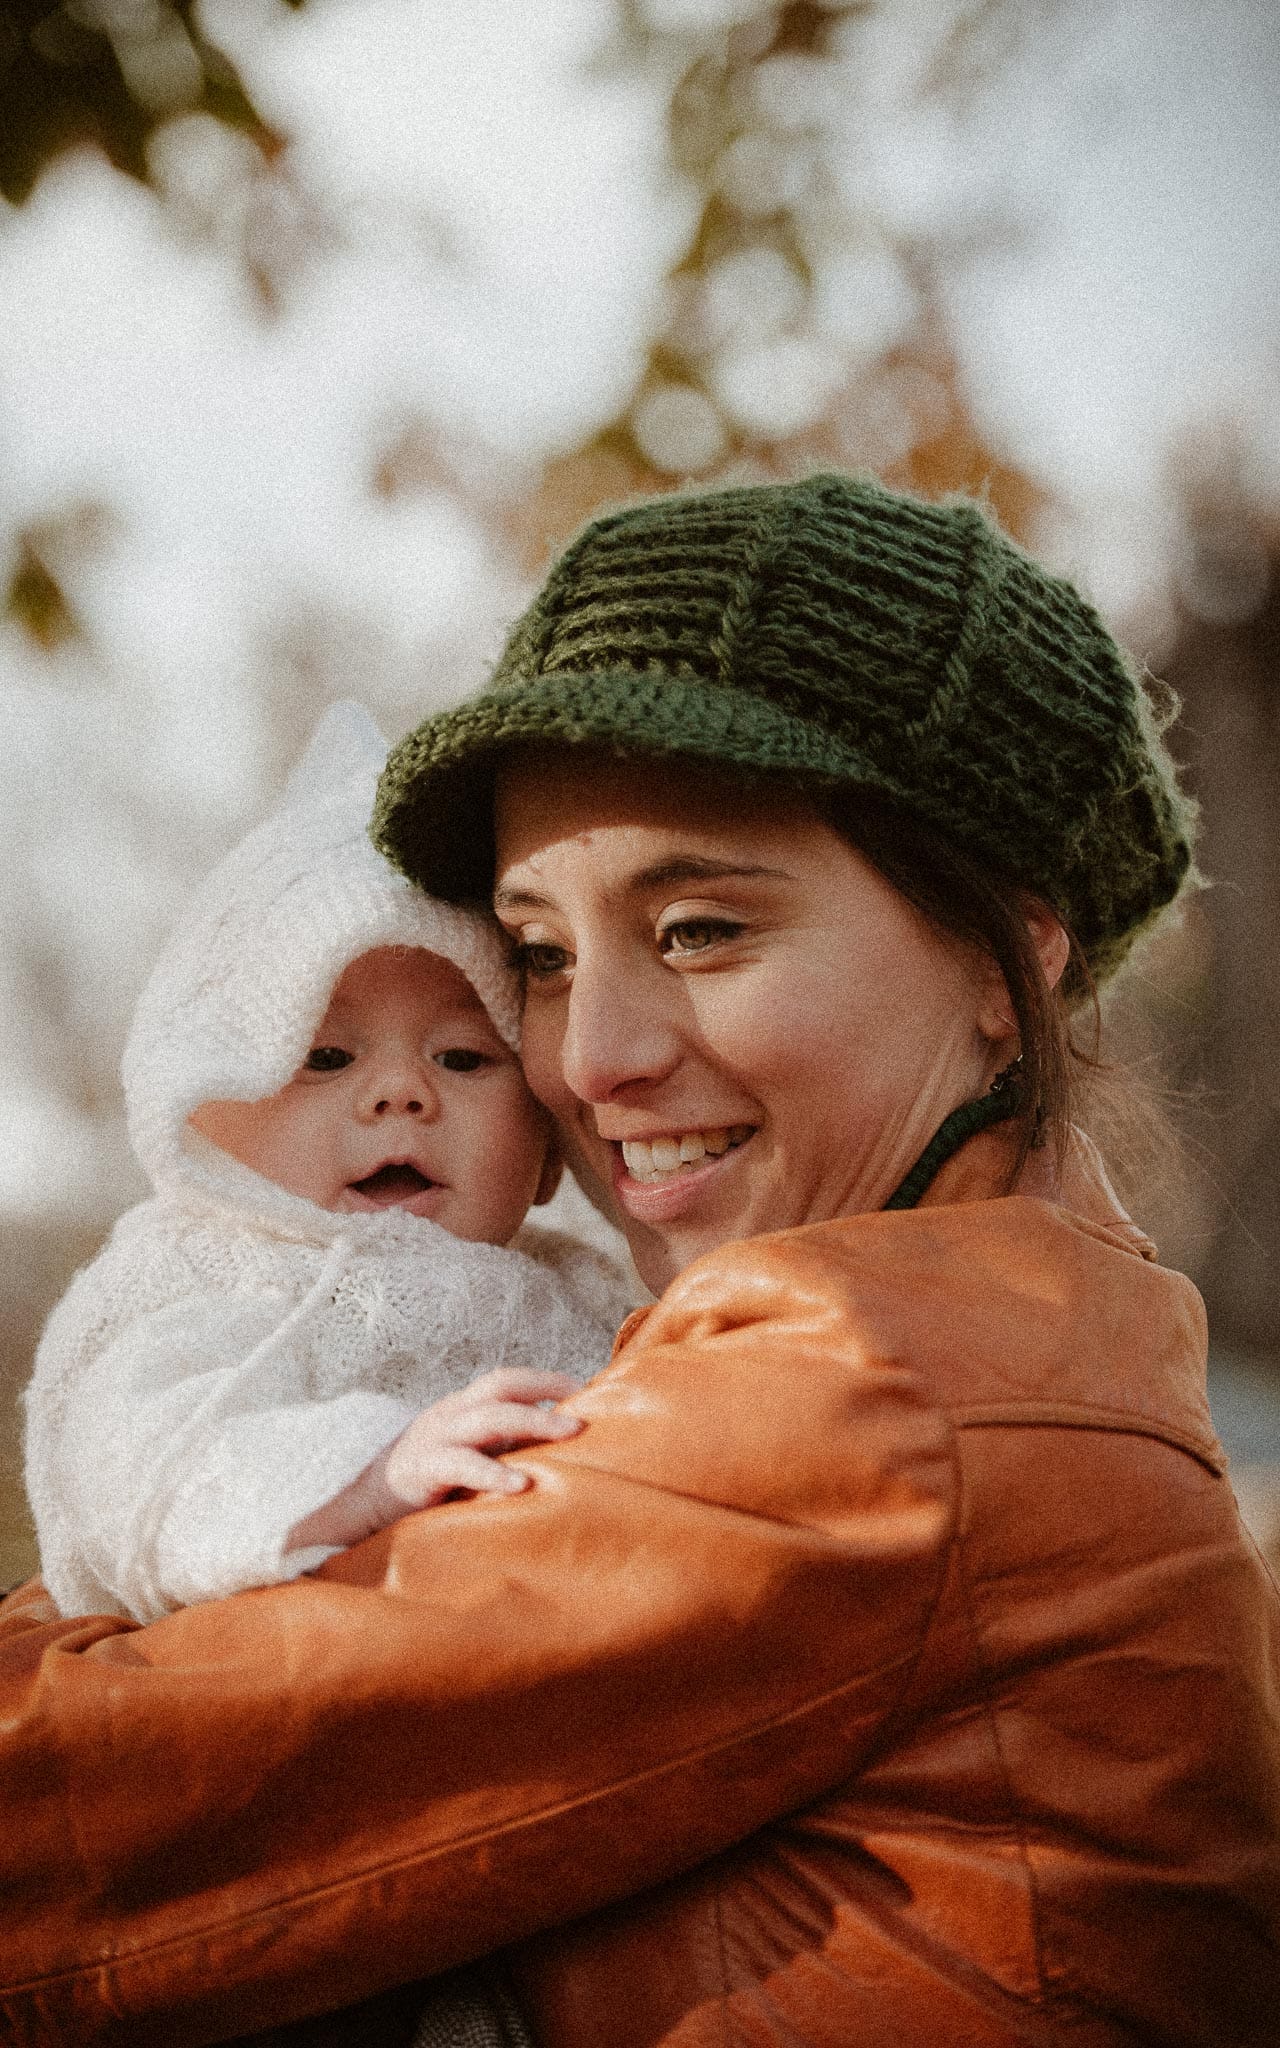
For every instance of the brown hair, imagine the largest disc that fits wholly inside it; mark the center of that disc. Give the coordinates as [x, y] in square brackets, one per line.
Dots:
[963, 898]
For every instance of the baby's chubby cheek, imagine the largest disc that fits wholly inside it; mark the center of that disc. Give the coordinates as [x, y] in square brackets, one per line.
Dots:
[268, 1138]
[231, 1127]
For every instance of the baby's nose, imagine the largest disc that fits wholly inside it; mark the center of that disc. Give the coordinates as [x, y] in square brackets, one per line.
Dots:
[398, 1090]
[398, 1104]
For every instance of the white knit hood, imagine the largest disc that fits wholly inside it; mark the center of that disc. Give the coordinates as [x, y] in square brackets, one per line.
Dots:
[229, 1011]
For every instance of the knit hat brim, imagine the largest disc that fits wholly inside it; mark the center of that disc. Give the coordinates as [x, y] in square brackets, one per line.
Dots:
[830, 632]
[434, 812]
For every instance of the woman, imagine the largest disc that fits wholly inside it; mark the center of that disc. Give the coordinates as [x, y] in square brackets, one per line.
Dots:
[884, 1661]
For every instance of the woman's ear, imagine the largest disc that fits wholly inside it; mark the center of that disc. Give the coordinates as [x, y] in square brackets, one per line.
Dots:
[1053, 949]
[551, 1175]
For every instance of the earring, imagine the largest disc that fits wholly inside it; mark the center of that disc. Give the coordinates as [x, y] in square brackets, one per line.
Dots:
[1008, 1077]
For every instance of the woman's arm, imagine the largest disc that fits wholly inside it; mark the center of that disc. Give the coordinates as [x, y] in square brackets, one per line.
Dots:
[495, 1716]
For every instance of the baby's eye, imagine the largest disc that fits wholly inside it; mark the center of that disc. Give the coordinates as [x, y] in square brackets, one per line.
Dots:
[695, 934]
[327, 1059]
[539, 962]
[460, 1059]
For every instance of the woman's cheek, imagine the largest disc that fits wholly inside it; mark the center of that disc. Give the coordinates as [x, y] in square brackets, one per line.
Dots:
[540, 1039]
[757, 1031]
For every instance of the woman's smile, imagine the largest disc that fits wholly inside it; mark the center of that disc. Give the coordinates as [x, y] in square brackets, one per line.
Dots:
[658, 1178]
[672, 1156]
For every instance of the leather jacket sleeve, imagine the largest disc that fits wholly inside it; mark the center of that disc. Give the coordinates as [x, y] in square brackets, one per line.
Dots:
[496, 1715]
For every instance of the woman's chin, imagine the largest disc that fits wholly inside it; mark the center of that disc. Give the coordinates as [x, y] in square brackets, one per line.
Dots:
[672, 1218]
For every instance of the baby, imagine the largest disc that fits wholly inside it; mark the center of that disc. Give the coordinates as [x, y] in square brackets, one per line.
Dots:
[320, 1320]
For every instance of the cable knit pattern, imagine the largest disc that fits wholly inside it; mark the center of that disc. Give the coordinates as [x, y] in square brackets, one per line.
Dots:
[236, 1355]
[829, 630]
[208, 1381]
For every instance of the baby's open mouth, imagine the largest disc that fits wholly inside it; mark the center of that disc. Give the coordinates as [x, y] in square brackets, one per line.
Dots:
[391, 1184]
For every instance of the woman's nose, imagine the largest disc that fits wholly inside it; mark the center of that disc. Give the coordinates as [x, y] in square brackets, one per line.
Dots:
[621, 1031]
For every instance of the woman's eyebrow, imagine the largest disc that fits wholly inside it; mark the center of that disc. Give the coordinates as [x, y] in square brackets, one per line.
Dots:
[681, 867]
[518, 899]
[687, 867]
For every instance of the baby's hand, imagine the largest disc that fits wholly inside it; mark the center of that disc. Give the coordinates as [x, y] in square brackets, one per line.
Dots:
[452, 1443]
[449, 1448]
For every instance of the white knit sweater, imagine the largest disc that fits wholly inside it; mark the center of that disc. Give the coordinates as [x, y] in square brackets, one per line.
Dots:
[236, 1354]
[212, 1377]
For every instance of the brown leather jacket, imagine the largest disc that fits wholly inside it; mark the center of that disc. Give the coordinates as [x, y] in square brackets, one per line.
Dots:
[884, 1665]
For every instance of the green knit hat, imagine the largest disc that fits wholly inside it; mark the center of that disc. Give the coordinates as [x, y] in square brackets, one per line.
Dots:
[833, 632]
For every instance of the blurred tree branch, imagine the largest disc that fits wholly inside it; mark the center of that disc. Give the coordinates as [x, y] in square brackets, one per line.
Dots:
[106, 73]
[36, 599]
[749, 374]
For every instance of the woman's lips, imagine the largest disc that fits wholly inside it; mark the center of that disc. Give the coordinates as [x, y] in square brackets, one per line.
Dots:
[651, 1188]
[650, 1160]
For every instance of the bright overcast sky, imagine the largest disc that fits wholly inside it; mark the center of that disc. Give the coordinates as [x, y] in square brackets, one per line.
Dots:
[1141, 299]
[495, 222]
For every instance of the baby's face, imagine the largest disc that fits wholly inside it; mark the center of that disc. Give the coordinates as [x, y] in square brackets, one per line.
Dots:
[408, 1099]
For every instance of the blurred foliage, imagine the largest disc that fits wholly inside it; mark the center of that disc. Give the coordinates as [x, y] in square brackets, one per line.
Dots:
[36, 600]
[1222, 1048]
[742, 299]
[771, 216]
[105, 73]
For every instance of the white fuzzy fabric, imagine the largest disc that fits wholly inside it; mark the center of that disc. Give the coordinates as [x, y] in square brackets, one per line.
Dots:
[210, 1379]
[236, 1355]
[231, 1004]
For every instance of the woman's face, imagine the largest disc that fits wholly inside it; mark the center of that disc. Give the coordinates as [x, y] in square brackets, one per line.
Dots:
[738, 1025]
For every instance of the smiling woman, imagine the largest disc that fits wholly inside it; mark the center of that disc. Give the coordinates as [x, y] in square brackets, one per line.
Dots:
[883, 1660]
[707, 965]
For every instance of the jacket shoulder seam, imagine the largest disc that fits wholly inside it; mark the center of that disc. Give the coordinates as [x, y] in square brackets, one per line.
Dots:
[1058, 1415]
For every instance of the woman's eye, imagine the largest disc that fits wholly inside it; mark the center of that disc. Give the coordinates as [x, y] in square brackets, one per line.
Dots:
[327, 1059]
[537, 962]
[695, 934]
[460, 1059]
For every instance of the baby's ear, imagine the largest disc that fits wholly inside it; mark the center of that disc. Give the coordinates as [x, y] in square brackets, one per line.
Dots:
[552, 1174]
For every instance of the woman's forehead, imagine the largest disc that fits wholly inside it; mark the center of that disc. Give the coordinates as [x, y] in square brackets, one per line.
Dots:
[548, 796]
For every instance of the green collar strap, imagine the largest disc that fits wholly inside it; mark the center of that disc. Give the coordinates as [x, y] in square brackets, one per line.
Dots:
[959, 1127]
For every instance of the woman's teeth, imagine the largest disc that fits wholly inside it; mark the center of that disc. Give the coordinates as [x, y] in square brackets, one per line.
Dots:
[658, 1159]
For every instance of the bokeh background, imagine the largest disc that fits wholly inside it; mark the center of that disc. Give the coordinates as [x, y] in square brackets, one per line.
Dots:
[322, 324]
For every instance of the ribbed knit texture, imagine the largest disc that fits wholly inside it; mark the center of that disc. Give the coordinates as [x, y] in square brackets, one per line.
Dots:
[471, 2008]
[955, 1131]
[832, 631]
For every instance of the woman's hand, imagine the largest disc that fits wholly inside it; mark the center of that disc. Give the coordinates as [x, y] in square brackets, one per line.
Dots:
[450, 1448]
